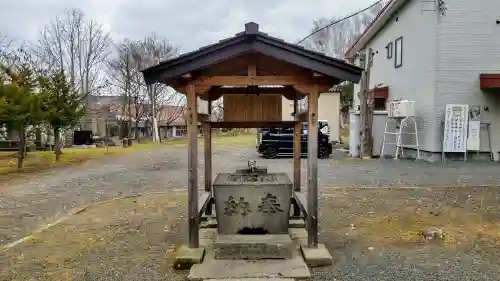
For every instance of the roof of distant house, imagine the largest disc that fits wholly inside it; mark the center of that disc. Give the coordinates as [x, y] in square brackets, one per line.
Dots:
[106, 99]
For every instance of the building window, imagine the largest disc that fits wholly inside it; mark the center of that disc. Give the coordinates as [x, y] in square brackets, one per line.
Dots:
[398, 54]
[362, 61]
[379, 103]
[389, 50]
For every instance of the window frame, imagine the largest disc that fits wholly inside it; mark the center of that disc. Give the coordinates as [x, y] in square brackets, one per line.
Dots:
[398, 42]
[379, 101]
[389, 50]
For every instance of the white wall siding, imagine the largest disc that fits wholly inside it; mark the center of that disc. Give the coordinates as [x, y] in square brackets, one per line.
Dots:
[469, 44]
[416, 78]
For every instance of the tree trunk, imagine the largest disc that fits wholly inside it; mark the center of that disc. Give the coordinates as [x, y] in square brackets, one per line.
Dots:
[57, 140]
[22, 148]
[136, 132]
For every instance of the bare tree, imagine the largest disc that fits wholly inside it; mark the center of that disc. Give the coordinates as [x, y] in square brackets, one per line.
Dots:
[218, 109]
[336, 39]
[151, 51]
[138, 99]
[77, 47]
[125, 76]
[5, 45]
[171, 106]
[121, 72]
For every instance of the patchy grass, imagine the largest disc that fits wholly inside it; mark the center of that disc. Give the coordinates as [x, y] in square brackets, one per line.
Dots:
[42, 160]
[241, 139]
[226, 139]
[397, 217]
[114, 236]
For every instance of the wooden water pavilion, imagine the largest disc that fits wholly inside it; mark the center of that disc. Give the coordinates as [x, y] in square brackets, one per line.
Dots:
[252, 71]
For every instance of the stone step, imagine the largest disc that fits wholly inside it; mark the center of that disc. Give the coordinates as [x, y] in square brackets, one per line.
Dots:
[251, 279]
[294, 268]
[253, 247]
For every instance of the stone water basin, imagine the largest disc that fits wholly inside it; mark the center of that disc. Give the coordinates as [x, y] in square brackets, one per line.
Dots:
[252, 203]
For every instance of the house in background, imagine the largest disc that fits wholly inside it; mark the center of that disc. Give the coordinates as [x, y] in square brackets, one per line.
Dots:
[328, 109]
[435, 53]
[171, 122]
[106, 110]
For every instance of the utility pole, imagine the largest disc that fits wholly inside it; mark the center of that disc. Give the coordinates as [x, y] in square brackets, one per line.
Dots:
[366, 111]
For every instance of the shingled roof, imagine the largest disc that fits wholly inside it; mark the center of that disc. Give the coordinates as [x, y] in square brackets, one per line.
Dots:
[251, 40]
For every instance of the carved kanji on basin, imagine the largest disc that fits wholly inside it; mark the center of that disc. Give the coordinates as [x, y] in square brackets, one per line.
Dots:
[252, 200]
[232, 207]
[268, 204]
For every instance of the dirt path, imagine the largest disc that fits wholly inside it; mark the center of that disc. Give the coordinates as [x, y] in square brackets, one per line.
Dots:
[25, 206]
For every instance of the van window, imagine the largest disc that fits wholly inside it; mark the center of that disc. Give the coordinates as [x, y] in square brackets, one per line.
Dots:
[274, 130]
[287, 131]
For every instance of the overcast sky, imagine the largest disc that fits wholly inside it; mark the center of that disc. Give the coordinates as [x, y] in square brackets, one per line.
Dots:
[189, 24]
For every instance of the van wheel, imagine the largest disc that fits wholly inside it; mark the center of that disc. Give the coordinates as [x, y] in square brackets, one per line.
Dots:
[323, 153]
[270, 152]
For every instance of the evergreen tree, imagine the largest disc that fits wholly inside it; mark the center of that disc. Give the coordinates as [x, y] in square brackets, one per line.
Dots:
[66, 105]
[21, 104]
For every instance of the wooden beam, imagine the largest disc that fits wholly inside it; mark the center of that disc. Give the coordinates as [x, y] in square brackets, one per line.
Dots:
[258, 80]
[296, 155]
[302, 116]
[252, 70]
[187, 76]
[306, 88]
[199, 89]
[252, 124]
[301, 201]
[312, 169]
[202, 117]
[192, 131]
[207, 135]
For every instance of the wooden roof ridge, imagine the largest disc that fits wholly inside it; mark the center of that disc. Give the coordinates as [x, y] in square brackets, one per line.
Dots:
[252, 40]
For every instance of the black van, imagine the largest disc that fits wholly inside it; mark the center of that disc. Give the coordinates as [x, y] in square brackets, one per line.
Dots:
[274, 142]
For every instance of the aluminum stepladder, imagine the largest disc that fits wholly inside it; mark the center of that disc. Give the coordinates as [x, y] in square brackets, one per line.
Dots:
[400, 124]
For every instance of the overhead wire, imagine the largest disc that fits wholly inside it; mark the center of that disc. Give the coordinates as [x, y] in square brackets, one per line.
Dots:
[340, 20]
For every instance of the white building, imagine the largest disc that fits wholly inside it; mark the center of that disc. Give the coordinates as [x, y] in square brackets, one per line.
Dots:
[328, 109]
[434, 52]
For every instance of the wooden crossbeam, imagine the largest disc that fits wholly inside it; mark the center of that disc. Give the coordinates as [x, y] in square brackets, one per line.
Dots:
[258, 80]
[252, 124]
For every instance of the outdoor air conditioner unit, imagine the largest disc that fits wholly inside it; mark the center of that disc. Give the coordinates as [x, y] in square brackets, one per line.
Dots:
[401, 109]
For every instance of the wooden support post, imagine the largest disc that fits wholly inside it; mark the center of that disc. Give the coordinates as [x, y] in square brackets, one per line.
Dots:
[312, 169]
[207, 134]
[296, 154]
[192, 130]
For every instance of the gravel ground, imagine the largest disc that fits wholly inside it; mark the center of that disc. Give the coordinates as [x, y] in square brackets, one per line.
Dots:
[135, 238]
[24, 206]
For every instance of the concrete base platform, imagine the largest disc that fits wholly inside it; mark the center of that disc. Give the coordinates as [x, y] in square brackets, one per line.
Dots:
[253, 247]
[316, 257]
[186, 257]
[252, 279]
[207, 236]
[294, 268]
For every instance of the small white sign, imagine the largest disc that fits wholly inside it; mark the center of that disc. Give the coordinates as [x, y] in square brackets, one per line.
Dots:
[474, 132]
[455, 128]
